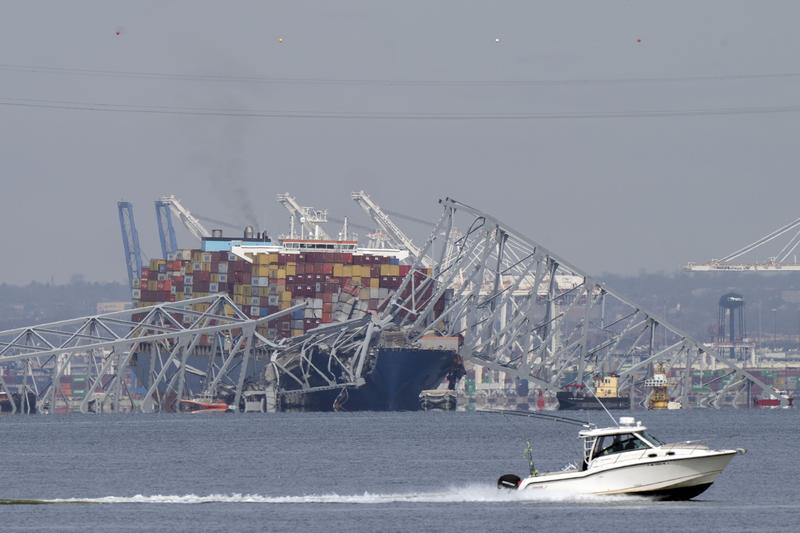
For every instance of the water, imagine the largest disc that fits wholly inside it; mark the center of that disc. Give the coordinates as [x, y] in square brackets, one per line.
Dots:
[366, 472]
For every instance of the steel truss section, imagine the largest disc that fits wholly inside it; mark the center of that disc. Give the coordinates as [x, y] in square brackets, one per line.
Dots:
[528, 312]
[332, 356]
[783, 261]
[207, 341]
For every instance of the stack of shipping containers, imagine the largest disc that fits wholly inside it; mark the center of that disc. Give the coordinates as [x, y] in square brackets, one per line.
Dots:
[333, 286]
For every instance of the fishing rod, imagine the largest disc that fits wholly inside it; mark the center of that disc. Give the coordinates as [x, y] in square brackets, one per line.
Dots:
[543, 416]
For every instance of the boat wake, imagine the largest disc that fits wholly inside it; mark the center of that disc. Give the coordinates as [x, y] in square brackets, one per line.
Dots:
[466, 494]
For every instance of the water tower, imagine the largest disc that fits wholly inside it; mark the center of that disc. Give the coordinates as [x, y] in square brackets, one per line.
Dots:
[731, 329]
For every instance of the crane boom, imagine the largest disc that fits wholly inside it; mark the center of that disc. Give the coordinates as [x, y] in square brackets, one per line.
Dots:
[310, 218]
[192, 224]
[390, 228]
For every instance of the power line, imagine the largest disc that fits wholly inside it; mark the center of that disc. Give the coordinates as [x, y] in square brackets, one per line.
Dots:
[40, 69]
[399, 115]
[409, 218]
[350, 224]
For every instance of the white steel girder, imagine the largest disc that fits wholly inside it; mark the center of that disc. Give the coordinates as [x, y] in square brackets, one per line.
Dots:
[529, 312]
[169, 333]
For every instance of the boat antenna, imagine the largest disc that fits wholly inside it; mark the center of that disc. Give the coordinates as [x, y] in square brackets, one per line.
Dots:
[602, 405]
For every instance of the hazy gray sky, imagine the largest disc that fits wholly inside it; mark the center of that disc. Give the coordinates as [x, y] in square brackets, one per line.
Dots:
[609, 193]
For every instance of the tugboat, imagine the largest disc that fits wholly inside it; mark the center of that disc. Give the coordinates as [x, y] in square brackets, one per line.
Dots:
[576, 397]
[659, 395]
[626, 459]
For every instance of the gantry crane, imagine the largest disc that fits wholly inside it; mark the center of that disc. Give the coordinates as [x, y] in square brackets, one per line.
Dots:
[310, 218]
[780, 262]
[166, 229]
[130, 242]
[389, 228]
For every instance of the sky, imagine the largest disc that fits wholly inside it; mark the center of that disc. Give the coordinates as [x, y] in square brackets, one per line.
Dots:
[623, 135]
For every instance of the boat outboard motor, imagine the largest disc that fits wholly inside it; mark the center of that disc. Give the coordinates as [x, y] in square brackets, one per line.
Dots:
[508, 481]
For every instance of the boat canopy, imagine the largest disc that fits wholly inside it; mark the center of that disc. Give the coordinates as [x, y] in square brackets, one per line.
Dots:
[619, 430]
[627, 424]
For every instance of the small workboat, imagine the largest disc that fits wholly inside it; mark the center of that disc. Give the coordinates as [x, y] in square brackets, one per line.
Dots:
[627, 459]
[778, 398]
[205, 406]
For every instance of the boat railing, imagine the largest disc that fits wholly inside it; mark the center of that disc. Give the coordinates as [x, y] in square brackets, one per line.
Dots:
[627, 456]
[691, 445]
[686, 446]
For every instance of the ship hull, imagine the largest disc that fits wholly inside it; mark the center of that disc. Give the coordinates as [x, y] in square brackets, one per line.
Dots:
[567, 401]
[394, 383]
[19, 402]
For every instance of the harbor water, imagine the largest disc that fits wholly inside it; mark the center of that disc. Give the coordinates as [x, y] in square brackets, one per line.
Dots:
[420, 471]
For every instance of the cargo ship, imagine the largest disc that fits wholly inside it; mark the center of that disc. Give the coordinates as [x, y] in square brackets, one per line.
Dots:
[576, 397]
[335, 279]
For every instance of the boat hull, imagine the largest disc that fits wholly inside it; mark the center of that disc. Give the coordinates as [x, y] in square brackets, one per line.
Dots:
[568, 401]
[678, 478]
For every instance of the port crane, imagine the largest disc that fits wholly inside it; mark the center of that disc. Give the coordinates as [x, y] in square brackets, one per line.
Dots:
[166, 229]
[130, 241]
[310, 218]
[778, 263]
[388, 228]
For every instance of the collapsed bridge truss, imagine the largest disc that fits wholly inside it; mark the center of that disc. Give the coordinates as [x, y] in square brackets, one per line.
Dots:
[165, 340]
[519, 308]
[531, 314]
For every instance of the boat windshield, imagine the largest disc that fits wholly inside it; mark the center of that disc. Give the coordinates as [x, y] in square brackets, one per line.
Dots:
[611, 444]
[651, 439]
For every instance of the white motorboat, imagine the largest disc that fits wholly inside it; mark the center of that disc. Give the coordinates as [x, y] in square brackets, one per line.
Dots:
[626, 459]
